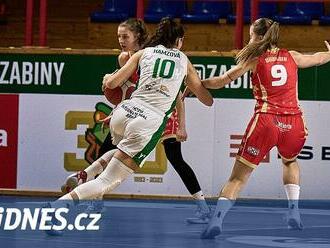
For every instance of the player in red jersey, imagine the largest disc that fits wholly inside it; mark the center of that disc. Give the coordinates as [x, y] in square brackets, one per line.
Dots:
[132, 34]
[277, 120]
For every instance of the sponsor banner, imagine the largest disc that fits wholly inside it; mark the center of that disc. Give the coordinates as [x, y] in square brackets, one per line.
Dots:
[53, 145]
[56, 74]
[82, 75]
[54, 141]
[8, 140]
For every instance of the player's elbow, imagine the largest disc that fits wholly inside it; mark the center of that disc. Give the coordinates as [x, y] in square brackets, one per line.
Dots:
[208, 102]
[323, 61]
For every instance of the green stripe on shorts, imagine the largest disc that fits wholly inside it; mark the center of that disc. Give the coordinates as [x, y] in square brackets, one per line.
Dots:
[140, 156]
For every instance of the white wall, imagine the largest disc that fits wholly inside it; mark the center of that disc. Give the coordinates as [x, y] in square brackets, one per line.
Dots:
[43, 141]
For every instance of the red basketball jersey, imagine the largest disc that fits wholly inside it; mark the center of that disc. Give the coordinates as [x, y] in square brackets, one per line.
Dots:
[133, 79]
[275, 83]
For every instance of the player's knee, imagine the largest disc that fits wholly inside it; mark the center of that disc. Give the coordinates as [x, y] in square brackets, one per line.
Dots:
[288, 163]
[108, 155]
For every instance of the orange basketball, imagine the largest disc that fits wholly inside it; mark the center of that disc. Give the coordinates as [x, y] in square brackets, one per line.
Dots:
[118, 94]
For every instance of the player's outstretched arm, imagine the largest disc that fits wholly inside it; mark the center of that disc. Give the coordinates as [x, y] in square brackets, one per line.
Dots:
[231, 75]
[309, 60]
[122, 75]
[195, 85]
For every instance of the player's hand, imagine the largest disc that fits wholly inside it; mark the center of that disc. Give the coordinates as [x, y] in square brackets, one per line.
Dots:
[327, 45]
[105, 77]
[181, 135]
[187, 92]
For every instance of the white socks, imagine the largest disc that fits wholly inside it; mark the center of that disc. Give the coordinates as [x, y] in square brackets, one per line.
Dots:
[99, 165]
[223, 206]
[199, 196]
[65, 201]
[292, 193]
[200, 201]
[110, 178]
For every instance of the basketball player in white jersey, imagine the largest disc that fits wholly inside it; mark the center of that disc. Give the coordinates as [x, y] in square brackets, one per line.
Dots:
[138, 123]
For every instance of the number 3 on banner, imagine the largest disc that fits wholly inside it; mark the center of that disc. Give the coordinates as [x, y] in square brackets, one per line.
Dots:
[279, 72]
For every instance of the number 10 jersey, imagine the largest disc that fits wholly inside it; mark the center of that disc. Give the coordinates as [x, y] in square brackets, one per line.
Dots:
[162, 72]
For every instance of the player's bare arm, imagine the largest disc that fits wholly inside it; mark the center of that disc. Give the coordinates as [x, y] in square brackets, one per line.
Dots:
[195, 85]
[117, 79]
[309, 60]
[231, 75]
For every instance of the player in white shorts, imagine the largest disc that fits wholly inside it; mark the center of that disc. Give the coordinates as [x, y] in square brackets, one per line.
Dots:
[138, 123]
[136, 128]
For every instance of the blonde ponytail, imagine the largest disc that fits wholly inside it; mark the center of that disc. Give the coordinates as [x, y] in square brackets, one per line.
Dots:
[266, 28]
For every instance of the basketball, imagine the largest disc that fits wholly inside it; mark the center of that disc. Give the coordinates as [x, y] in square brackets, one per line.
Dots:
[114, 96]
[120, 93]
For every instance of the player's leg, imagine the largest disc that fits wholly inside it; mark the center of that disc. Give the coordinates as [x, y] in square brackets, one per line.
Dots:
[292, 140]
[238, 179]
[89, 173]
[120, 167]
[135, 139]
[105, 154]
[259, 138]
[187, 175]
[291, 182]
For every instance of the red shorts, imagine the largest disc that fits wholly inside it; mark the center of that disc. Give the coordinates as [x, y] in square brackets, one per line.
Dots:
[171, 126]
[286, 132]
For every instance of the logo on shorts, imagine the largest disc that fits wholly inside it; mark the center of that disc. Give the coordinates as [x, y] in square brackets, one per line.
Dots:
[283, 126]
[253, 151]
[142, 156]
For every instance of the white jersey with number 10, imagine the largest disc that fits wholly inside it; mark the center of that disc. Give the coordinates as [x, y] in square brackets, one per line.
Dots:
[162, 72]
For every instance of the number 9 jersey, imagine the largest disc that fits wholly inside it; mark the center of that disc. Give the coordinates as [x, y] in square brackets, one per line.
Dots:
[275, 83]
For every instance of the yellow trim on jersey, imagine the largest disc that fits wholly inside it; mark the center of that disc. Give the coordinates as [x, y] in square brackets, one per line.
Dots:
[245, 162]
[264, 98]
[253, 126]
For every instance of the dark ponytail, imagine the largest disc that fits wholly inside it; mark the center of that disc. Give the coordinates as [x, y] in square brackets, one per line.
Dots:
[266, 28]
[166, 34]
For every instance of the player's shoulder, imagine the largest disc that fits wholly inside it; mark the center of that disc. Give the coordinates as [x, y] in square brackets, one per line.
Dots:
[123, 58]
